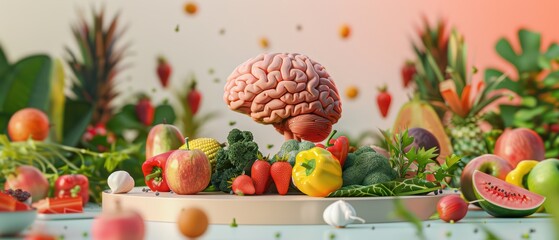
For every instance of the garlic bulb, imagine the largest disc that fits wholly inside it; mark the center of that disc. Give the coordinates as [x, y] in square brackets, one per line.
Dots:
[120, 182]
[339, 214]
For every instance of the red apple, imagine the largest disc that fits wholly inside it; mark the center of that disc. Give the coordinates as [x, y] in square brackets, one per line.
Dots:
[30, 179]
[118, 225]
[520, 144]
[487, 163]
[187, 171]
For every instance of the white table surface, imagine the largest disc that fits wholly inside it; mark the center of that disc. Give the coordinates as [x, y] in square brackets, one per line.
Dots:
[505, 228]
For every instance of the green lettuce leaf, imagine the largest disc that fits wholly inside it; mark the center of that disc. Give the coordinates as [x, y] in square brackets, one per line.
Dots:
[406, 187]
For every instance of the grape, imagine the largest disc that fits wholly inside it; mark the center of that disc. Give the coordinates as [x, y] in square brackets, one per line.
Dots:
[18, 194]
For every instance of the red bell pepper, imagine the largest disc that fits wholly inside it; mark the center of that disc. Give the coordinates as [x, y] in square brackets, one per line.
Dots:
[72, 185]
[7, 203]
[154, 172]
[339, 147]
[59, 205]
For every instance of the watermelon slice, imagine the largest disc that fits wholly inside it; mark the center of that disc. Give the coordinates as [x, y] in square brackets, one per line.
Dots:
[502, 199]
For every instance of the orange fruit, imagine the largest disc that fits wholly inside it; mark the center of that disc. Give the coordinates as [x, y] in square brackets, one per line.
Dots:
[28, 123]
[193, 222]
[345, 31]
[264, 43]
[351, 92]
[191, 8]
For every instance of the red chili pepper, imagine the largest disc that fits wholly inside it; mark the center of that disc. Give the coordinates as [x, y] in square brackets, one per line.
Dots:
[73, 185]
[154, 172]
[339, 147]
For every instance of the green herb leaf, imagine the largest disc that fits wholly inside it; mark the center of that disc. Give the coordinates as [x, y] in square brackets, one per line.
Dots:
[410, 186]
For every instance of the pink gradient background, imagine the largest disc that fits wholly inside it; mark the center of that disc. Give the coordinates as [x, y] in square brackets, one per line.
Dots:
[372, 56]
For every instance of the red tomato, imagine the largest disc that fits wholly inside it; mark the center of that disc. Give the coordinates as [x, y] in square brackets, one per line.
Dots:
[73, 185]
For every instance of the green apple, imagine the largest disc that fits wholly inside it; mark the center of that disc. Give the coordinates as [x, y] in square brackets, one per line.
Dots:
[544, 179]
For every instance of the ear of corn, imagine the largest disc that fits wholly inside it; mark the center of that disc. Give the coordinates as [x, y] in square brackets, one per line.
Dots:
[209, 146]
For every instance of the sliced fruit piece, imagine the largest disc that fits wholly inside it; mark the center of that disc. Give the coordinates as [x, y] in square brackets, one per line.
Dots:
[418, 113]
[59, 205]
[502, 199]
[22, 206]
[7, 203]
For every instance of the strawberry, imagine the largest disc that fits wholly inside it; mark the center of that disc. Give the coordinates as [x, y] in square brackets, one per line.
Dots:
[145, 111]
[243, 185]
[260, 174]
[163, 71]
[193, 97]
[281, 173]
[408, 71]
[383, 100]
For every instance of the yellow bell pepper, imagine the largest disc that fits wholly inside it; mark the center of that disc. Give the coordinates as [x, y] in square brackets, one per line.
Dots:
[316, 172]
[518, 175]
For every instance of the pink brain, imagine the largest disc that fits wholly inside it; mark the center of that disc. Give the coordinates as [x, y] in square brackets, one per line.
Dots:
[290, 91]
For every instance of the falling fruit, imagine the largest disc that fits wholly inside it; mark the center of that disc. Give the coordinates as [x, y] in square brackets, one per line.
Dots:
[345, 31]
[351, 92]
[383, 100]
[190, 8]
[193, 222]
[264, 43]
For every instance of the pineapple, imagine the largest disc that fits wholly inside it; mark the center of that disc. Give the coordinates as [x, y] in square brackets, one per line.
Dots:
[442, 80]
[448, 88]
[98, 66]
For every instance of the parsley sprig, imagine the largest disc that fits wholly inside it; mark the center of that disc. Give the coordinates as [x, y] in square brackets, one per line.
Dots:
[406, 158]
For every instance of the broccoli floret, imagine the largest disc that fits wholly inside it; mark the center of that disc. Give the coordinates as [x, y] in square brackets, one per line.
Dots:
[306, 145]
[237, 135]
[288, 146]
[363, 149]
[289, 150]
[241, 152]
[292, 156]
[223, 181]
[349, 160]
[365, 164]
[377, 177]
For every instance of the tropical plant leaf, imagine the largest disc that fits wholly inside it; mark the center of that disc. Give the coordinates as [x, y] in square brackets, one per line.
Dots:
[125, 119]
[527, 59]
[4, 64]
[552, 79]
[505, 50]
[76, 120]
[507, 83]
[4, 118]
[552, 52]
[26, 84]
[410, 186]
[57, 100]
[164, 113]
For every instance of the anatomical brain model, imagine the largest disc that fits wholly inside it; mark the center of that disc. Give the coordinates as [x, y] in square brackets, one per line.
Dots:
[288, 90]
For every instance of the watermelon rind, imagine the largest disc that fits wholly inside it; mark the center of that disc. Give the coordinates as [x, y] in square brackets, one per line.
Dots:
[500, 210]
